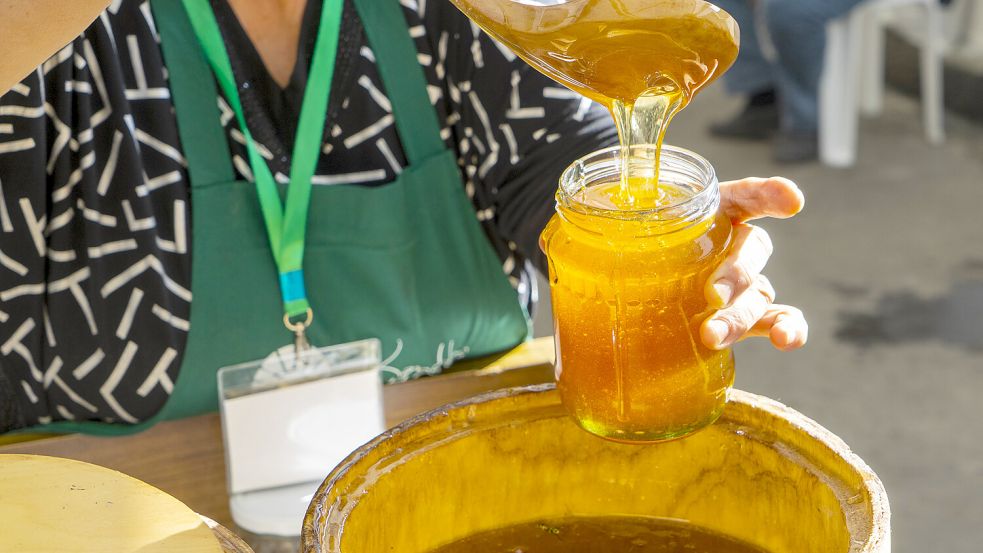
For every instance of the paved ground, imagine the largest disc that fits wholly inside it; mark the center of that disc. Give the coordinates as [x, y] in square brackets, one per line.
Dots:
[887, 262]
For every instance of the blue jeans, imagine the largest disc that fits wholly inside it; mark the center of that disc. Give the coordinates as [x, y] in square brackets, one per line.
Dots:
[798, 32]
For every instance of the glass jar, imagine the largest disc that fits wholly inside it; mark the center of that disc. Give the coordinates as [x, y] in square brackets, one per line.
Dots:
[627, 288]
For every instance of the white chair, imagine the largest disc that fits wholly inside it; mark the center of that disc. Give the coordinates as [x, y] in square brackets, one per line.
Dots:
[853, 76]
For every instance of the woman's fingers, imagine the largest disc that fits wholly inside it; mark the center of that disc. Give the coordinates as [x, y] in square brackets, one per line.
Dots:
[736, 288]
[729, 325]
[784, 325]
[754, 198]
[748, 257]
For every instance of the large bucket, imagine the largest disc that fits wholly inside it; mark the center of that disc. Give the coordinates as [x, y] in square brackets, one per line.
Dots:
[763, 473]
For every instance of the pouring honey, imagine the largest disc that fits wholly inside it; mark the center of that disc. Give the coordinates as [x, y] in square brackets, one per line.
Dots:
[644, 60]
[637, 230]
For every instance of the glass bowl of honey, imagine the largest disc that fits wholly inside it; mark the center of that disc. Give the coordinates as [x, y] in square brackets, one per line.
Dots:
[509, 471]
[628, 268]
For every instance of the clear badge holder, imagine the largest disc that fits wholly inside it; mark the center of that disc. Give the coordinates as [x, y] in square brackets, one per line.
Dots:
[287, 420]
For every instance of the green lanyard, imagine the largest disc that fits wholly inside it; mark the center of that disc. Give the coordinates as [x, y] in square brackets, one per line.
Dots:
[286, 225]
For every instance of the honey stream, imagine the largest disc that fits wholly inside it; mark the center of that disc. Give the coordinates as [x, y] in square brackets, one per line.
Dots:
[644, 60]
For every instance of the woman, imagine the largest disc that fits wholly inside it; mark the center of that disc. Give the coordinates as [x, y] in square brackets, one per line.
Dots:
[140, 167]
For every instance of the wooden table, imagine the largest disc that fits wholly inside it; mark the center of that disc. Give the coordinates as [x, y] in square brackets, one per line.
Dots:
[186, 458]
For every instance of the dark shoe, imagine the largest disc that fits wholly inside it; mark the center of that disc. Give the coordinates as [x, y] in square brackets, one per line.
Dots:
[796, 147]
[758, 121]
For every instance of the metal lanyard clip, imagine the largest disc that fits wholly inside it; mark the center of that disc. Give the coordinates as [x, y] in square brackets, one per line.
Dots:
[299, 329]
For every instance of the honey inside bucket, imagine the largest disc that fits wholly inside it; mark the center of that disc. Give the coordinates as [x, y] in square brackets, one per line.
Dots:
[601, 534]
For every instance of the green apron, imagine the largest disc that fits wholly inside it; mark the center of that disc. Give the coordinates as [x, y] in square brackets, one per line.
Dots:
[406, 262]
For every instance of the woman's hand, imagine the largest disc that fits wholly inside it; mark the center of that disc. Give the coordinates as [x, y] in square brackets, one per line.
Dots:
[742, 295]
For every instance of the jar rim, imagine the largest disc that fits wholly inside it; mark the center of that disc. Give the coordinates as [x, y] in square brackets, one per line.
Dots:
[574, 179]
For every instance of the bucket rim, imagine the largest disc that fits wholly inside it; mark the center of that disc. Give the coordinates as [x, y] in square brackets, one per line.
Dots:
[878, 539]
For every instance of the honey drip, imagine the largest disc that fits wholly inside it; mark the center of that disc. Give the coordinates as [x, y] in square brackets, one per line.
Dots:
[644, 60]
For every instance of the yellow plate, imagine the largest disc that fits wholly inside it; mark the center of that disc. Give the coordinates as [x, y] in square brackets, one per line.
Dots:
[51, 504]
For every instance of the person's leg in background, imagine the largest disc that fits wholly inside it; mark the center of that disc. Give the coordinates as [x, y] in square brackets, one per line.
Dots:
[751, 76]
[797, 29]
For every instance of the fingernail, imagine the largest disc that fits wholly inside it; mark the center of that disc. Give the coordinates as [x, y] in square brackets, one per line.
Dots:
[718, 331]
[724, 290]
[781, 337]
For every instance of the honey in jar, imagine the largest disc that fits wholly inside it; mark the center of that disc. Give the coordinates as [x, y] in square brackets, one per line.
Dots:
[628, 296]
[601, 535]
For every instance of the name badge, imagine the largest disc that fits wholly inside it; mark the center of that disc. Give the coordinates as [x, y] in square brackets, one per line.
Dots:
[287, 420]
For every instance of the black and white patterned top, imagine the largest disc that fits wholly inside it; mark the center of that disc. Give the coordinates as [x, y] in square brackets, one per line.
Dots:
[94, 201]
